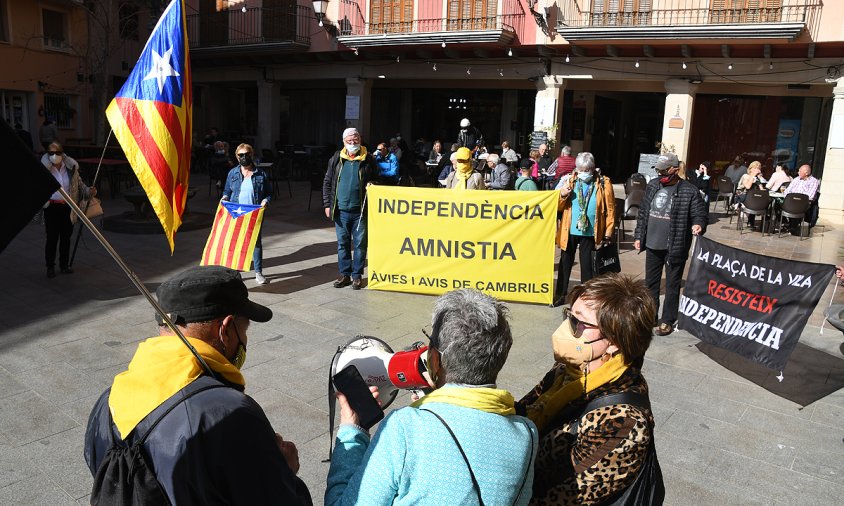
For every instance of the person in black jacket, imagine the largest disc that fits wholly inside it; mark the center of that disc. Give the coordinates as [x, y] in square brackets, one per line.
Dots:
[671, 212]
[217, 446]
[350, 171]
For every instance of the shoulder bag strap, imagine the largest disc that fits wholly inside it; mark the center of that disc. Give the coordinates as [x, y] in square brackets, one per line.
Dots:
[463, 454]
[630, 398]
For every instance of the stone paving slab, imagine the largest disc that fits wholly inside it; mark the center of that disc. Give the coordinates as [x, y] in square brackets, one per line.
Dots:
[722, 438]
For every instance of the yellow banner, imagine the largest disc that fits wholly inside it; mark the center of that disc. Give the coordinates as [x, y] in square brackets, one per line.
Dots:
[432, 241]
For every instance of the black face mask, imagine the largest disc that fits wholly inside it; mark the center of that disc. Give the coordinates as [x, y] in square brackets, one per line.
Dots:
[245, 160]
[666, 178]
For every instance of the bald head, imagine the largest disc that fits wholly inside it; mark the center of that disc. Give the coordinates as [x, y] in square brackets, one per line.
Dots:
[804, 171]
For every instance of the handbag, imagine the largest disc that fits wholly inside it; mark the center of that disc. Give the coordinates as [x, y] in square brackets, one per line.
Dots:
[605, 259]
[92, 207]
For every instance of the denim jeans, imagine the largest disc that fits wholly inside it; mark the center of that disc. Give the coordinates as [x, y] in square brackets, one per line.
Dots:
[349, 236]
[258, 253]
[655, 259]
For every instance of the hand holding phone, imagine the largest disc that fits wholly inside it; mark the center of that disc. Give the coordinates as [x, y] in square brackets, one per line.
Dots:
[360, 398]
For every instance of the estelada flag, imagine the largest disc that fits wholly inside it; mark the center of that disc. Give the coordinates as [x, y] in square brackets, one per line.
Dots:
[151, 118]
[233, 236]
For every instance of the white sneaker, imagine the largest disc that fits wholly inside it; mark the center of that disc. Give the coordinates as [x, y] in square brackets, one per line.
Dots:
[260, 279]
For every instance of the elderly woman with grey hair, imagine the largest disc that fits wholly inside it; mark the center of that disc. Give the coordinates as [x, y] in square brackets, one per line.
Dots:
[587, 204]
[466, 425]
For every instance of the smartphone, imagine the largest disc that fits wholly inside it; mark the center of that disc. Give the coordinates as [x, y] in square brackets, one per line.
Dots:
[351, 384]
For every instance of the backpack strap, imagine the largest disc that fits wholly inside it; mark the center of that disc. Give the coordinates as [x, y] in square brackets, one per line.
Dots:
[631, 398]
[146, 426]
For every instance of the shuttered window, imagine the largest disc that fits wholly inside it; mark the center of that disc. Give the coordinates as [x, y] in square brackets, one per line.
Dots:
[621, 12]
[472, 14]
[744, 11]
[390, 16]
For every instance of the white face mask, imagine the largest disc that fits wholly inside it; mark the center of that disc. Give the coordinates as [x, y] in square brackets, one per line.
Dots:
[55, 159]
[585, 176]
[352, 148]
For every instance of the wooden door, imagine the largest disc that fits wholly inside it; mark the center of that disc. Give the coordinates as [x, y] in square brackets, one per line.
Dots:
[390, 16]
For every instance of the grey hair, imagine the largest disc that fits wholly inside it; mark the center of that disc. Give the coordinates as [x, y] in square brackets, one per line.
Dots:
[474, 336]
[492, 157]
[566, 151]
[585, 162]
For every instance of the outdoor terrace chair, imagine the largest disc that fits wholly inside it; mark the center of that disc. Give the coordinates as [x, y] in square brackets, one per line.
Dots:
[629, 212]
[726, 189]
[795, 206]
[757, 203]
[635, 182]
[280, 171]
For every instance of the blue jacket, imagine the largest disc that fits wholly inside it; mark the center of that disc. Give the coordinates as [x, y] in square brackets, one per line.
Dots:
[215, 447]
[412, 459]
[388, 166]
[261, 185]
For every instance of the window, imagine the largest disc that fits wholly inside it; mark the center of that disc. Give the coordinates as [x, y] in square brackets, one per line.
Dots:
[4, 23]
[745, 11]
[55, 32]
[621, 12]
[128, 20]
[390, 16]
[472, 14]
[59, 108]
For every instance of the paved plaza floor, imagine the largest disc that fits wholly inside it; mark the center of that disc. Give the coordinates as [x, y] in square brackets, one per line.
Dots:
[722, 433]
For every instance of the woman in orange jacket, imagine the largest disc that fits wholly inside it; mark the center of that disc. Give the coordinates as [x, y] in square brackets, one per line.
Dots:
[587, 203]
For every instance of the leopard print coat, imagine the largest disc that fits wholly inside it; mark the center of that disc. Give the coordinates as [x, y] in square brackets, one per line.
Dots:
[605, 457]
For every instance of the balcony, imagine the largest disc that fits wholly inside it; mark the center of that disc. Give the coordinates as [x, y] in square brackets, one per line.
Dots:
[688, 19]
[500, 21]
[257, 29]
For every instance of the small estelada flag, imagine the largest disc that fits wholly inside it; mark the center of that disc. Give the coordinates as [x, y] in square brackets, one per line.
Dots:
[233, 236]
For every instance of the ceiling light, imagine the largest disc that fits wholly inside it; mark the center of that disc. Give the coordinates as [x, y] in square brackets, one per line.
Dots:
[382, 76]
[510, 51]
[501, 72]
[637, 64]
[771, 66]
[730, 66]
[398, 59]
[469, 70]
[685, 66]
[435, 67]
[243, 10]
[567, 59]
[443, 44]
[356, 51]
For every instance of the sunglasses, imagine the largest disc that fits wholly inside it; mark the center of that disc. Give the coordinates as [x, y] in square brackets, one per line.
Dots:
[577, 325]
[242, 154]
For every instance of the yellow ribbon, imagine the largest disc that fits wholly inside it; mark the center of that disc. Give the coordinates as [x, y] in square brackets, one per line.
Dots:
[490, 400]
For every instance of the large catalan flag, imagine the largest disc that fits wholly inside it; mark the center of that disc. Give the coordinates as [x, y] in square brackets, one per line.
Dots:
[151, 118]
[233, 236]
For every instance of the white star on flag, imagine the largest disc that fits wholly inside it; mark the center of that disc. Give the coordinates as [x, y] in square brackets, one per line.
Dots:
[239, 210]
[161, 68]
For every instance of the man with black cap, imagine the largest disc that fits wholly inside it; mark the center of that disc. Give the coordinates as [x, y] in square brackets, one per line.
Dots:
[672, 210]
[213, 444]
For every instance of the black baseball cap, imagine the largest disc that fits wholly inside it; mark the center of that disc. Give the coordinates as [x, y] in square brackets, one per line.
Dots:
[205, 293]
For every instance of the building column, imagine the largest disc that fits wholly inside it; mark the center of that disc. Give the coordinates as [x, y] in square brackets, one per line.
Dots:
[831, 202]
[269, 116]
[509, 114]
[548, 111]
[359, 105]
[677, 121]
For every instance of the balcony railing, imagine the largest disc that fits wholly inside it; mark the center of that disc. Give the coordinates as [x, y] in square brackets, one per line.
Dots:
[353, 22]
[258, 25]
[586, 14]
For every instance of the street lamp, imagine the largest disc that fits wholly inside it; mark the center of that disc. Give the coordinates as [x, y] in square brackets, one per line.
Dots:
[320, 6]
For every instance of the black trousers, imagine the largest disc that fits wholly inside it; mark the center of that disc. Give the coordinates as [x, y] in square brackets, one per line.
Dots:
[587, 246]
[655, 260]
[59, 229]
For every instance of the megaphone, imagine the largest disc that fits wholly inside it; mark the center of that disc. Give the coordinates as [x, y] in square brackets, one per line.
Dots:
[382, 367]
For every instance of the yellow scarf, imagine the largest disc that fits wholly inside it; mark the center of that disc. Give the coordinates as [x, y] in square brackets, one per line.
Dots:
[360, 156]
[550, 403]
[161, 367]
[490, 400]
[462, 173]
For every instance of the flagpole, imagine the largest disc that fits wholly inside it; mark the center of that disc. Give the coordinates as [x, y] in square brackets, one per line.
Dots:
[88, 202]
[133, 278]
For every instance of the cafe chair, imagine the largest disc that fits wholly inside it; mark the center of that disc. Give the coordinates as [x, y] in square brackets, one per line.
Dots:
[316, 179]
[794, 206]
[756, 203]
[629, 212]
[635, 182]
[280, 171]
[726, 190]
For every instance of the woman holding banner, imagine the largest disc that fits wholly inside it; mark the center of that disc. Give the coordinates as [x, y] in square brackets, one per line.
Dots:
[587, 203]
[592, 408]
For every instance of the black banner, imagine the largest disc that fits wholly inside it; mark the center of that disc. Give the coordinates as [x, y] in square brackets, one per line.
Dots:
[753, 305]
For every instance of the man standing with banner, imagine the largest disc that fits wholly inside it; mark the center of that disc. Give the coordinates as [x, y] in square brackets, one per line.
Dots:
[753, 305]
[151, 117]
[349, 172]
[249, 185]
[671, 212]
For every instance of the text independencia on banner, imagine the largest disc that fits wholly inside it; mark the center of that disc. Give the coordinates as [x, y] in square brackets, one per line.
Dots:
[432, 241]
[753, 305]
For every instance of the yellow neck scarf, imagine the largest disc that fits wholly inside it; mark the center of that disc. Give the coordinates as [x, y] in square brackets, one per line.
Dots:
[360, 156]
[161, 367]
[490, 400]
[561, 393]
[462, 172]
